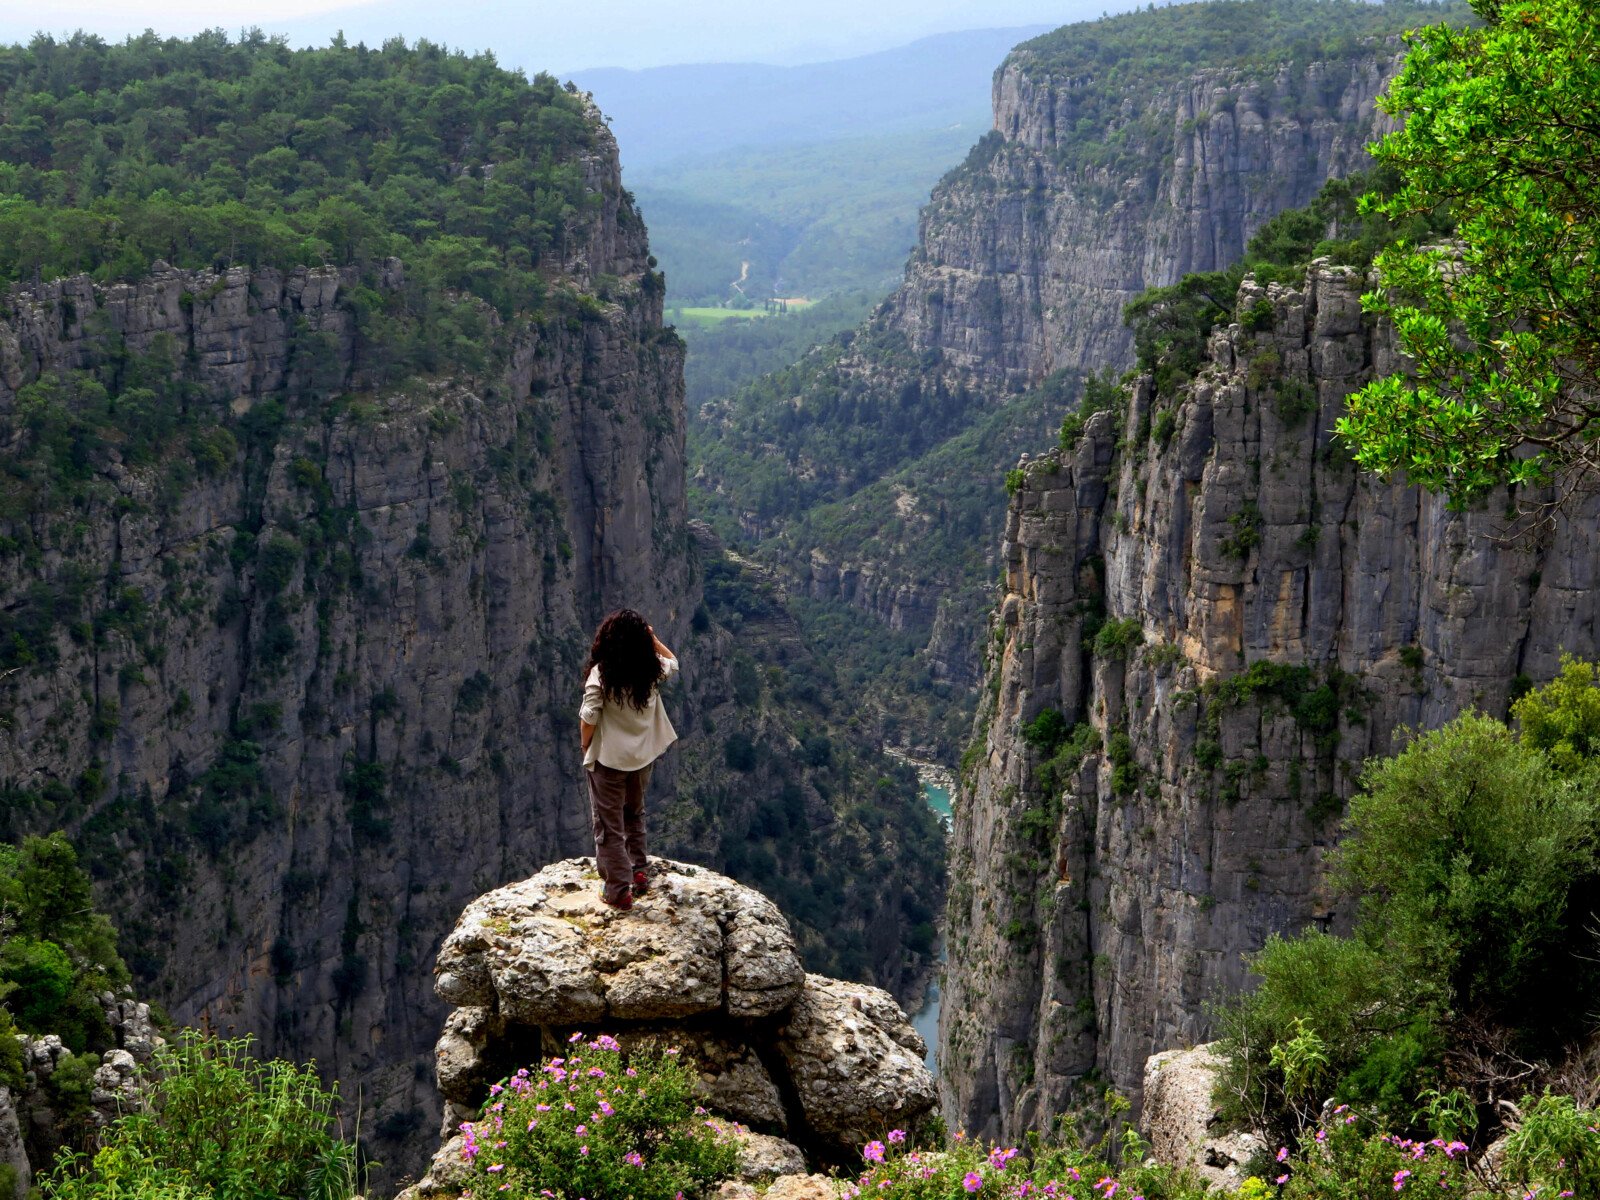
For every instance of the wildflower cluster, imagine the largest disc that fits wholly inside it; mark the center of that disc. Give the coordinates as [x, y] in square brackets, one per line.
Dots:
[1341, 1160]
[598, 1125]
[896, 1170]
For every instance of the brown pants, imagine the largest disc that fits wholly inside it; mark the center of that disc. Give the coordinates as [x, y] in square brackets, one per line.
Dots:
[616, 799]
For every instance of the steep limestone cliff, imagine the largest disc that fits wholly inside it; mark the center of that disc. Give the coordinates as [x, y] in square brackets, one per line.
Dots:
[1029, 251]
[292, 613]
[299, 704]
[1228, 619]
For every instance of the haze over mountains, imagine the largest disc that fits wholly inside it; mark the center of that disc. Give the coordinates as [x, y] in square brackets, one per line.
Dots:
[701, 109]
[802, 181]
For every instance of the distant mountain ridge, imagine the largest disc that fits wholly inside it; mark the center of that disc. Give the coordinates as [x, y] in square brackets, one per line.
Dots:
[663, 113]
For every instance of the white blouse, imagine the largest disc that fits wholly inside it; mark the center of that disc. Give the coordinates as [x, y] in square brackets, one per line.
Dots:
[626, 738]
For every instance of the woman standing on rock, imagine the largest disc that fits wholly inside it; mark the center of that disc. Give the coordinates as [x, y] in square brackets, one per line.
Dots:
[625, 729]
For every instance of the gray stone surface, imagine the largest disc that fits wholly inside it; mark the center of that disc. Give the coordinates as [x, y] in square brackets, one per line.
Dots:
[548, 951]
[13, 1153]
[764, 1157]
[1182, 1122]
[855, 1061]
[1133, 908]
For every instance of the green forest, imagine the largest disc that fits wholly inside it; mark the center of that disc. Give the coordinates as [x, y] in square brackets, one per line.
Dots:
[210, 152]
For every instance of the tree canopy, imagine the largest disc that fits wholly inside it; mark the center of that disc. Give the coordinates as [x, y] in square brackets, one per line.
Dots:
[1502, 126]
[209, 151]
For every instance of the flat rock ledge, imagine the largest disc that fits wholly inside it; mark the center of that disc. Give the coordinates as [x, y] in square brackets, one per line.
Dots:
[813, 1066]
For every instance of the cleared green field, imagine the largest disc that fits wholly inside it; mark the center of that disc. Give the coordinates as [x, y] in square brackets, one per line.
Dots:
[709, 317]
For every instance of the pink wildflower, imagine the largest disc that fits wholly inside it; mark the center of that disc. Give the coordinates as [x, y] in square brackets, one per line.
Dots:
[973, 1181]
[873, 1152]
[896, 1136]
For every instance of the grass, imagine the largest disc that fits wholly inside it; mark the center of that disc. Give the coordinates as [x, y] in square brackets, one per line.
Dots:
[710, 318]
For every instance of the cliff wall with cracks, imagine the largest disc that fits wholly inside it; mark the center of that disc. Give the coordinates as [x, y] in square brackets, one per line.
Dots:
[1229, 619]
[1029, 251]
[306, 684]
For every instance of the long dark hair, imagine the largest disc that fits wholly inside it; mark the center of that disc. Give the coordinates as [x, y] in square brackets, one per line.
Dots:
[625, 651]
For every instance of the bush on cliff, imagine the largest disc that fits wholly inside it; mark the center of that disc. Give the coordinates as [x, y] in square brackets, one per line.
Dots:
[221, 1124]
[1475, 854]
[57, 954]
[1554, 1152]
[599, 1126]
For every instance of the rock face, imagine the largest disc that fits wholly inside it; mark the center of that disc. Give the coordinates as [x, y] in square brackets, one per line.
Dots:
[702, 964]
[13, 1152]
[300, 695]
[1027, 254]
[1267, 619]
[1026, 257]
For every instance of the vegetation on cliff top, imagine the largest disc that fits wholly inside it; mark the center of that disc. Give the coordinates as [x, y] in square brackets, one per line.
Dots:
[1504, 326]
[209, 152]
[1106, 71]
[1171, 324]
[1114, 54]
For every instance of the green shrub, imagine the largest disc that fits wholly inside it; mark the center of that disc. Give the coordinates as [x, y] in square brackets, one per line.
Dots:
[1341, 990]
[57, 954]
[1468, 850]
[220, 1124]
[1555, 1149]
[1563, 717]
[1115, 638]
[598, 1125]
[1346, 1159]
[1258, 317]
[1046, 731]
[1473, 854]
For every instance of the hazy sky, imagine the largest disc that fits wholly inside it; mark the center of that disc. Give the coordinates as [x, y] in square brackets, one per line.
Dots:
[568, 35]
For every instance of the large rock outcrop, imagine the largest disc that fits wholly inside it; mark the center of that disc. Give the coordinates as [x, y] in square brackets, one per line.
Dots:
[702, 964]
[1231, 618]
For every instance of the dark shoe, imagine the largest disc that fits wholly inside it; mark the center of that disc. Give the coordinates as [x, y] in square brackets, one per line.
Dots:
[623, 902]
[641, 883]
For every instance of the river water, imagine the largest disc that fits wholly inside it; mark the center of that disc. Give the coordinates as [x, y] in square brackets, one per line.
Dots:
[926, 1019]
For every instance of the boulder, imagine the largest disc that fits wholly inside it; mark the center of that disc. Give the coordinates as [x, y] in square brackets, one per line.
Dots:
[1183, 1123]
[762, 1156]
[701, 965]
[547, 951]
[802, 1187]
[854, 1060]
